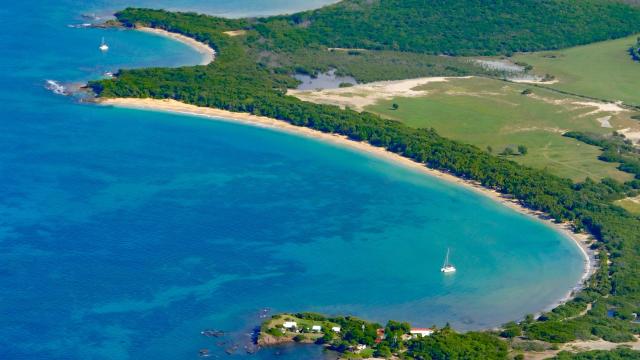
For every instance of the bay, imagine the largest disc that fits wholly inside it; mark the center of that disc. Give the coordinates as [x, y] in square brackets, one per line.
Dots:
[125, 233]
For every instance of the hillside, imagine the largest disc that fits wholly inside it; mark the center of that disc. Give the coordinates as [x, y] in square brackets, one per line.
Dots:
[461, 27]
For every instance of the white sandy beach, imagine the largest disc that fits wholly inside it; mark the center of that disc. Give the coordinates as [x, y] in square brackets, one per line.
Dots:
[173, 106]
[208, 53]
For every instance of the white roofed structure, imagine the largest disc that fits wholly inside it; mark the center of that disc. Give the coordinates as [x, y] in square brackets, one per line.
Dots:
[290, 324]
[421, 331]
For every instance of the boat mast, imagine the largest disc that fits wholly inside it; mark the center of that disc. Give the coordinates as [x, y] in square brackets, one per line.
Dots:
[446, 259]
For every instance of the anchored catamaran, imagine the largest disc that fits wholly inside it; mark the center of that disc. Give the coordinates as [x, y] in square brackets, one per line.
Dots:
[446, 267]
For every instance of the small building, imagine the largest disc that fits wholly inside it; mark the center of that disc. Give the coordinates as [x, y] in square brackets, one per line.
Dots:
[317, 328]
[290, 325]
[336, 329]
[359, 348]
[421, 332]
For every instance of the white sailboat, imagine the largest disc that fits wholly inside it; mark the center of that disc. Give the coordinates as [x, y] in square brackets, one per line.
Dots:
[104, 46]
[446, 267]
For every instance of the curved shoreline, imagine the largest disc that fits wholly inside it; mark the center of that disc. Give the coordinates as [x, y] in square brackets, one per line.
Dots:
[208, 53]
[581, 240]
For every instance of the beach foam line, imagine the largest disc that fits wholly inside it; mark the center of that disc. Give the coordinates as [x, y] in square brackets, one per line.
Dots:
[209, 54]
[172, 106]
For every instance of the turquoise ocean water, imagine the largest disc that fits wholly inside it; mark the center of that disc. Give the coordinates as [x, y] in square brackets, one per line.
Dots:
[124, 233]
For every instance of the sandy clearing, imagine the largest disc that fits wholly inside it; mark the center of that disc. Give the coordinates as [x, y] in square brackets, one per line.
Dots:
[602, 107]
[233, 33]
[613, 108]
[635, 200]
[551, 101]
[360, 96]
[631, 134]
[604, 121]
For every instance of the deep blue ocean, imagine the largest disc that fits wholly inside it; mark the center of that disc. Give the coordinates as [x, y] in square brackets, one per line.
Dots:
[124, 233]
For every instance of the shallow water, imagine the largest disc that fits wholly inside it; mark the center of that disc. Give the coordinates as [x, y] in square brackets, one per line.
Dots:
[328, 80]
[124, 233]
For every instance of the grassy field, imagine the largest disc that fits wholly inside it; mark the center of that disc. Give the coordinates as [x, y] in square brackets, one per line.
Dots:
[602, 70]
[631, 204]
[487, 112]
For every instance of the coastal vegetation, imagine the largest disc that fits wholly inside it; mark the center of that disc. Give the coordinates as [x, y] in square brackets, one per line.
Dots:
[463, 27]
[368, 65]
[357, 338]
[239, 81]
[390, 39]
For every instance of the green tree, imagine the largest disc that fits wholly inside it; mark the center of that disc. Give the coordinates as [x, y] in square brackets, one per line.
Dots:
[382, 351]
[327, 338]
[522, 149]
[511, 330]
[507, 151]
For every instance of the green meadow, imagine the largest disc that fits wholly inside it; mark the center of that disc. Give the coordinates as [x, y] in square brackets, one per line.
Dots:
[493, 113]
[601, 70]
[632, 205]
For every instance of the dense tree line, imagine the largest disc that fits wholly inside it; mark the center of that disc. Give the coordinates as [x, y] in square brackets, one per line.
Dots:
[370, 65]
[447, 344]
[460, 27]
[236, 81]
